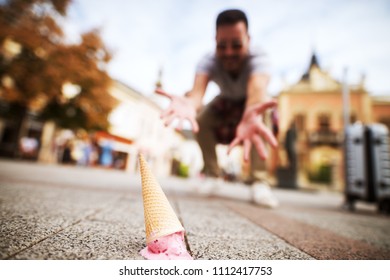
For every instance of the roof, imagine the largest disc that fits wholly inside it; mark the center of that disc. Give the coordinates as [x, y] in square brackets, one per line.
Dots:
[134, 93]
[106, 135]
[314, 79]
[313, 63]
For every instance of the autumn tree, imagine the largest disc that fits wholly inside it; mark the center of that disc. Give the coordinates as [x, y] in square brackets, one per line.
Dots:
[38, 67]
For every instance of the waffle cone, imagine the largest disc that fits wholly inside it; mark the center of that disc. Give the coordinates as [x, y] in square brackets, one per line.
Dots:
[160, 219]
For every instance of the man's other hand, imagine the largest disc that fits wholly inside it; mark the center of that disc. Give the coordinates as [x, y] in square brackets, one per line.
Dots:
[252, 130]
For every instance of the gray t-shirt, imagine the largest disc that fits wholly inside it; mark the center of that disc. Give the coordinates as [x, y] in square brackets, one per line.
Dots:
[257, 62]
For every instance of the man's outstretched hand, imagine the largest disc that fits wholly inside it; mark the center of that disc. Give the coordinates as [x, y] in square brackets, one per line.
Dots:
[252, 130]
[180, 108]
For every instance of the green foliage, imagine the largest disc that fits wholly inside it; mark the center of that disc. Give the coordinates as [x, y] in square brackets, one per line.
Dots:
[183, 170]
[323, 174]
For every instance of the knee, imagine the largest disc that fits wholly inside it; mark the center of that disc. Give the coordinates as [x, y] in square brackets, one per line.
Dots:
[203, 120]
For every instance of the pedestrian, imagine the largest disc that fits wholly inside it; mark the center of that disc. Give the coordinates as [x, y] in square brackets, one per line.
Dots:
[84, 146]
[67, 152]
[29, 147]
[96, 151]
[289, 145]
[107, 159]
[234, 116]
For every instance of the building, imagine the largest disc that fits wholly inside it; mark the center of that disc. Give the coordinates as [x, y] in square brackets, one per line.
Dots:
[137, 118]
[313, 107]
[135, 127]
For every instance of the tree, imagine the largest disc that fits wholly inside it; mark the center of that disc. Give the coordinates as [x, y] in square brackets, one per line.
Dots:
[36, 66]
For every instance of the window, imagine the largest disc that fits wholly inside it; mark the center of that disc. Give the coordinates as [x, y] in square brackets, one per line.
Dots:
[324, 122]
[300, 122]
[352, 118]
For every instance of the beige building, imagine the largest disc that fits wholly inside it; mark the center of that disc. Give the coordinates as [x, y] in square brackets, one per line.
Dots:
[137, 118]
[315, 105]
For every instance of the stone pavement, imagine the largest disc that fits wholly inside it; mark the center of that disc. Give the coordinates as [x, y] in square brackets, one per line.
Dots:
[68, 212]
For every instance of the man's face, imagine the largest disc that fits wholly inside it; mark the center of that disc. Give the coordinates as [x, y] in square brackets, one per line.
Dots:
[232, 46]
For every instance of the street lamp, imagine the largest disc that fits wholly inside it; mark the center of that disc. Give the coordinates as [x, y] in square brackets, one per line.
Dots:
[346, 113]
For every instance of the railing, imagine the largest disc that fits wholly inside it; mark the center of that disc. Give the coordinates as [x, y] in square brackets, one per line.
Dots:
[327, 137]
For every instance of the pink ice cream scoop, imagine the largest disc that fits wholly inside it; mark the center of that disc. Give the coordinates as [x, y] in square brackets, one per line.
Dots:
[169, 247]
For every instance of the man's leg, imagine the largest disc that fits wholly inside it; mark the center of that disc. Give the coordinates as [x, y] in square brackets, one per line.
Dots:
[258, 168]
[207, 141]
[261, 191]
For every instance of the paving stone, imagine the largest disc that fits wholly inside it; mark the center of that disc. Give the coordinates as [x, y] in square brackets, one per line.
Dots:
[30, 213]
[90, 240]
[67, 212]
[215, 232]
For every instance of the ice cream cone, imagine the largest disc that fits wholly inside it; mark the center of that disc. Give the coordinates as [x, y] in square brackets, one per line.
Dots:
[160, 219]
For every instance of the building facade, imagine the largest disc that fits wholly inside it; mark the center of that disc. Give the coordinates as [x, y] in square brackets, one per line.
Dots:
[137, 118]
[313, 108]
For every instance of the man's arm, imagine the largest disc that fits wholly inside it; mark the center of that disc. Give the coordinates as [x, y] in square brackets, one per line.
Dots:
[257, 86]
[198, 90]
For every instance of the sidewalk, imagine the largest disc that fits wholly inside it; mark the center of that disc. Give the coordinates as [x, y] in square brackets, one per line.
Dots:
[66, 212]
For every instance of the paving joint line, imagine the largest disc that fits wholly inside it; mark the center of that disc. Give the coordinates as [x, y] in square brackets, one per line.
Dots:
[265, 228]
[176, 205]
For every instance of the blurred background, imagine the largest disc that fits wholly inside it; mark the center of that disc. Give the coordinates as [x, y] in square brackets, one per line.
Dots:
[77, 81]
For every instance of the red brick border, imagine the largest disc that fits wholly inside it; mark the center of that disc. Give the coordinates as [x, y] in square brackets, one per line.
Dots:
[317, 242]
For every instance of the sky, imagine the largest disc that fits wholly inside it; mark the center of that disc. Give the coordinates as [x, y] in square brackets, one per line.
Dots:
[173, 35]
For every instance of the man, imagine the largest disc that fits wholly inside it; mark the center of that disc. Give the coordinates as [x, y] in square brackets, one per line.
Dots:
[234, 116]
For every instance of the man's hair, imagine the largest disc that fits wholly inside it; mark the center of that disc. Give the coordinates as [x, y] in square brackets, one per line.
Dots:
[233, 16]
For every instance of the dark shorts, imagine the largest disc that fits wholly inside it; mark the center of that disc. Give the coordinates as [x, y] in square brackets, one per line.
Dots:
[229, 113]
